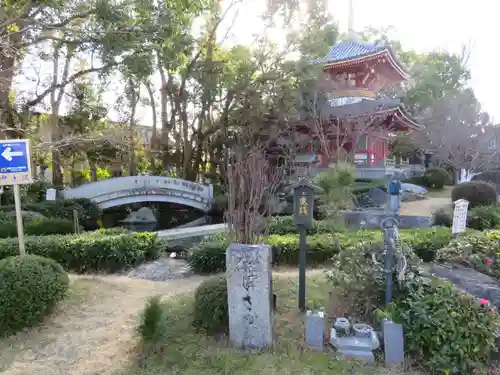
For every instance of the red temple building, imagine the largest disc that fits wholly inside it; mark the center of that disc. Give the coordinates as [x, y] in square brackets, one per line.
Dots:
[357, 119]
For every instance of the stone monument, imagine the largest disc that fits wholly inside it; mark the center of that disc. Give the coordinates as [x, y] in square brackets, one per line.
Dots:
[50, 194]
[459, 216]
[249, 291]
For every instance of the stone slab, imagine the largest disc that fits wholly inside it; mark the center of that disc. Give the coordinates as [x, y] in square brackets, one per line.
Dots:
[249, 289]
[373, 219]
[315, 328]
[393, 343]
[204, 230]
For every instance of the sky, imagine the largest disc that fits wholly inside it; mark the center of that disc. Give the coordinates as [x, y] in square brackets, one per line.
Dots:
[424, 26]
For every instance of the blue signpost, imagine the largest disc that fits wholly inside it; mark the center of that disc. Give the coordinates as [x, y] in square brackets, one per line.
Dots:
[15, 170]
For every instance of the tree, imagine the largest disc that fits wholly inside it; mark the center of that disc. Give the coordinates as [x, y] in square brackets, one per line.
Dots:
[435, 76]
[455, 132]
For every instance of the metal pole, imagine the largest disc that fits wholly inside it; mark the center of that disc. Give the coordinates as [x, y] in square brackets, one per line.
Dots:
[19, 219]
[390, 236]
[302, 269]
[388, 268]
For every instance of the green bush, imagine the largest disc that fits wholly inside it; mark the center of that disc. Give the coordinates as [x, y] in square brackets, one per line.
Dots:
[443, 217]
[89, 251]
[37, 227]
[30, 288]
[210, 256]
[445, 330]
[88, 211]
[483, 217]
[426, 242]
[361, 282]
[211, 306]
[151, 327]
[437, 178]
[478, 193]
[44, 227]
[479, 250]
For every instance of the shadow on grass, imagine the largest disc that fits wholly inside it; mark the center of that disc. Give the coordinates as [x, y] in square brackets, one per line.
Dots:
[185, 351]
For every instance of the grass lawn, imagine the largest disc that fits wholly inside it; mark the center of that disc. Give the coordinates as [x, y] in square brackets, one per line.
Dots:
[184, 351]
[92, 333]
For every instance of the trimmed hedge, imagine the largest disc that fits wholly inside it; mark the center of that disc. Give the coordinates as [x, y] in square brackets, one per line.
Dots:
[37, 227]
[433, 178]
[282, 225]
[88, 211]
[417, 180]
[90, 251]
[210, 255]
[30, 288]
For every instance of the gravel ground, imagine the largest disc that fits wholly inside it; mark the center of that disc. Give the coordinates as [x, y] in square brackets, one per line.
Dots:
[161, 269]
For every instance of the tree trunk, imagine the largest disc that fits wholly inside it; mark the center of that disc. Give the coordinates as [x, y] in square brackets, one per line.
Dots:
[134, 99]
[153, 142]
[7, 70]
[93, 171]
[55, 103]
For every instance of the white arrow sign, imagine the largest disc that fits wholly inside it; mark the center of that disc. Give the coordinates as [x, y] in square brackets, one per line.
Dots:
[8, 153]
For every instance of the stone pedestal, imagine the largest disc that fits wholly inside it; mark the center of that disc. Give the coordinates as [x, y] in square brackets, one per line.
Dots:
[249, 290]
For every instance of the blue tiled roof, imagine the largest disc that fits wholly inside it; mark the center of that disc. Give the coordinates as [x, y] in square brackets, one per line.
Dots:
[349, 50]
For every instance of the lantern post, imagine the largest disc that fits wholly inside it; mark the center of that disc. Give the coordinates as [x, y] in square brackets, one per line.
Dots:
[303, 209]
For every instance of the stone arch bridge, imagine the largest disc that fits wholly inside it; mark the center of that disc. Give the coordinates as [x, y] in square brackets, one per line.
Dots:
[126, 190]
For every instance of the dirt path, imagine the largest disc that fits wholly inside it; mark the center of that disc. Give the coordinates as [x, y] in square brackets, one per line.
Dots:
[92, 334]
[424, 207]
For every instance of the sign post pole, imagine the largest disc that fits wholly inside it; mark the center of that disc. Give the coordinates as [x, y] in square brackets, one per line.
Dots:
[19, 220]
[15, 170]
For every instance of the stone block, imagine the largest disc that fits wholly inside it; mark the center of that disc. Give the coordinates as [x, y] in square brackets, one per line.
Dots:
[393, 343]
[249, 287]
[315, 328]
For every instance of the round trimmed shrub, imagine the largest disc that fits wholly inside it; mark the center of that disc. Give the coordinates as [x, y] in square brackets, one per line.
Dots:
[30, 288]
[91, 251]
[210, 306]
[437, 178]
[478, 193]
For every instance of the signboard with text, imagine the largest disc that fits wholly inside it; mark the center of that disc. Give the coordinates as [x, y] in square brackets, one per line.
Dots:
[15, 162]
[460, 216]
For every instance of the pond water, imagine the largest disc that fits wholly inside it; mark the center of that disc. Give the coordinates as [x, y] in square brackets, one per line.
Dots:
[168, 215]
